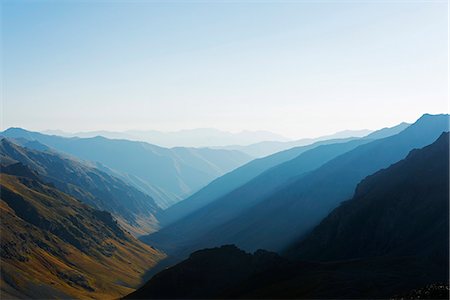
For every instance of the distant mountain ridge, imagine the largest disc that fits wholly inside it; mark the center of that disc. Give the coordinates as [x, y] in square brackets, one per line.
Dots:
[198, 137]
[268, 147]
[167, 175]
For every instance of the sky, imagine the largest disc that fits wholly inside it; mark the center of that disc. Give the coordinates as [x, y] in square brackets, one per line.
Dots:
[296, 68]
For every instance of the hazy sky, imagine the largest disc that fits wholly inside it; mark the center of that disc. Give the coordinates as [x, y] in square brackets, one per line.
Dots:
[297, 68]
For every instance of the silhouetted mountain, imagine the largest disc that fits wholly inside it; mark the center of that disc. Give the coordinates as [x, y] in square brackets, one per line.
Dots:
[292, 211]
[398, 211]
[207, 274]
[198, 137]
[135, 210]
[168, 175]
[390, 238]
[53, 246]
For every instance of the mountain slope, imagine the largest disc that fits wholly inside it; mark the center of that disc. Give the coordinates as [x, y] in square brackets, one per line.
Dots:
[234, 179]
[135, 210]
[53, 246]
[191, 231]
[391, 238]
[167, 175]
[401, 210]
[291, 211]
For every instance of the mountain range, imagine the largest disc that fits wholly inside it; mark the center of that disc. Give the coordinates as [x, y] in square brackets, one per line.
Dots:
[198, 137]
[254, 143]
[232, 217]
[294, 209]
[236, 178]
[167, 175]
[344, 217]
[390, 239]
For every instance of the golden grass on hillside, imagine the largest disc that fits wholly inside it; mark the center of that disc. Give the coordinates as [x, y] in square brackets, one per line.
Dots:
[37, 263]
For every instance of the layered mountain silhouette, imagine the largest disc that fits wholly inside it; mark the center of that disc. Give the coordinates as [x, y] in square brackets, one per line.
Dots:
[167, 175]
[391, 238]
[230, 181]
[234, 179]
[211, 225]
[135, 211]
[53, 246]
[292, 211]
[192, 229]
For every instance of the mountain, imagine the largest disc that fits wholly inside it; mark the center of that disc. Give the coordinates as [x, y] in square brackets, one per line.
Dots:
[268, 147]
[167, 175]
[230, 181]
[391, 238]
[135, 211]
[234, 179]
[193, 231]
[266, 275]
[398, 211]
[293, 210]
[188, 224]
[211, 272]
[53, 246]
[198, 137]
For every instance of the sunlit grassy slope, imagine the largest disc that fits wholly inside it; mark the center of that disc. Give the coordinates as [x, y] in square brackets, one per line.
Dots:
[54, 246]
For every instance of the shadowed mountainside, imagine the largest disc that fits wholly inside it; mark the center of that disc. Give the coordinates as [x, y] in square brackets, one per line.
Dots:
[388, 211]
